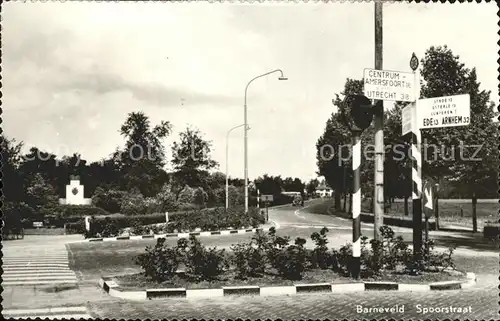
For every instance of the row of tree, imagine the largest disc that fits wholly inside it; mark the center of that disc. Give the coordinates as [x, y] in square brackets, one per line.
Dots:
[132, 178]
[459, 176]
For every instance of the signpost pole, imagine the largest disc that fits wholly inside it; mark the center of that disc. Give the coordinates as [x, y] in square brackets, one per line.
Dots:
[356, 205]
[378, 199]
[267, 212]
[416, 172]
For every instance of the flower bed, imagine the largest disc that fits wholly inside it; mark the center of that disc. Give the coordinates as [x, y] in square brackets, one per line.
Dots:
[140, 281]
[269, 259]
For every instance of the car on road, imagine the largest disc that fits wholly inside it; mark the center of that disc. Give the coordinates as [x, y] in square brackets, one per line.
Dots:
[298, 201]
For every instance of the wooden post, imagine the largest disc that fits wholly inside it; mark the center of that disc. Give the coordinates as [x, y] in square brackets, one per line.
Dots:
[474, 215]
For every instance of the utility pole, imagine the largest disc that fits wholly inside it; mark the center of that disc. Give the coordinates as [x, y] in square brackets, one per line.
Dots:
[378, 111]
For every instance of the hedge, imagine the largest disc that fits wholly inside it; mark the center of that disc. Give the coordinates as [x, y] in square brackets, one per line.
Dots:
[205, 219]
[79, 210]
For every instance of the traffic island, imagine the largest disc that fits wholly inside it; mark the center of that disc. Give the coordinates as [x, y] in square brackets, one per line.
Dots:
[179, 235]
[138, 287]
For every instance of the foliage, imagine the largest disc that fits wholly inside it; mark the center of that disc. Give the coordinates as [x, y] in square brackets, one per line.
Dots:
[200, 197]
[191, 159]
[433, 260]
[311, 186]
[159, 262]
[320, 256]
[182, 221]
[444, 75]
[289, 260]
[167, 199]
[142, 160]
[204, 263]
[110, 200]
[40, 195]
[186, 196]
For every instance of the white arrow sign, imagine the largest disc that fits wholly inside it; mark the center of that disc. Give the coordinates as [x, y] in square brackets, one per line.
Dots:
[428, 196]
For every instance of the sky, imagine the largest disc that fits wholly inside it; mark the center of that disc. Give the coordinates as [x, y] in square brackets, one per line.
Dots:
[71, 72]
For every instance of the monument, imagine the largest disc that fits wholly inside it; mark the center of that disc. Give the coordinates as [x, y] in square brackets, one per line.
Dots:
[74, 193]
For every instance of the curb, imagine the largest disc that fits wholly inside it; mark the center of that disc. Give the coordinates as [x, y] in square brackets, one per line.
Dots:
[178, 235]
[114, 290]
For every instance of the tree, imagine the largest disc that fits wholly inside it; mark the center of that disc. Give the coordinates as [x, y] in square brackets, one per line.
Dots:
[167, 199]
[13, 185]
[143, 158]
[191, 159]
[186, 196]
[443, 75]
[311, 186]
[334, 149]
[272, 185]
[41, 196]
[333, 146]
[200, 197]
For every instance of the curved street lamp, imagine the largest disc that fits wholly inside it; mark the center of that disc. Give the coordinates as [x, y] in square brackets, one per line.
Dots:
[246, 129]
[227, 149]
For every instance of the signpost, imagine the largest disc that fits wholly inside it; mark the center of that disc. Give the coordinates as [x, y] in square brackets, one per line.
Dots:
[448, 111]
[408, 119]
[428, 200]
[437, 112]
[37, 224]
[389, 85]
[267, 199]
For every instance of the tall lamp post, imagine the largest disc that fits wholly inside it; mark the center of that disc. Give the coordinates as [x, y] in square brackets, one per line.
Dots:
[227, 162]
[246, 129]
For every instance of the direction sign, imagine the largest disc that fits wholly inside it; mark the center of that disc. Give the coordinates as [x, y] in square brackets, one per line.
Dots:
[447, 111]
[37, 224]
[389, 85]
[266, 198]
[408, 119]
[428, 198]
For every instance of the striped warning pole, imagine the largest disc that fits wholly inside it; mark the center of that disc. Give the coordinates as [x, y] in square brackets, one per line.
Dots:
[416, 170]
[356, 204]
[416, 175]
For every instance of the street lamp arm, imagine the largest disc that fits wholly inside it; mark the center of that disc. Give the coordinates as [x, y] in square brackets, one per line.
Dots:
[267, 73]
[235, 127]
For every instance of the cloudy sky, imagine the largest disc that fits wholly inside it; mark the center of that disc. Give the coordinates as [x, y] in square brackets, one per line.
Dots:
[73, 71]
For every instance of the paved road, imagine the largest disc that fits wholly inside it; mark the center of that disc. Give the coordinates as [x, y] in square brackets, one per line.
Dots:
[36, 268]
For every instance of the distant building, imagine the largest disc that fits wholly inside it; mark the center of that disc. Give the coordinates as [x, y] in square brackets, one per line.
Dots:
[324, 190]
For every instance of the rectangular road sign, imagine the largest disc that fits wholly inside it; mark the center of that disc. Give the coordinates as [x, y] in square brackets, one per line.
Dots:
[266, 198]
[408, 119]
[389, 85]
[447, 111]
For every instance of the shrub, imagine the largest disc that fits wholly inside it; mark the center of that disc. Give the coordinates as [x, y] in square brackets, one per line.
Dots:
[342, 259]
[110, 200]
[167, 199]
[76, 228]
[202, 263]
[206, 219]
[78, 210]
[432, 260]
[248, 260]
[133, 204]
[290, 261]
[159, 262]
[186, 195]
[320, 257]
[200, 197]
